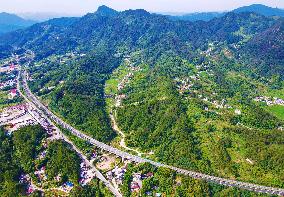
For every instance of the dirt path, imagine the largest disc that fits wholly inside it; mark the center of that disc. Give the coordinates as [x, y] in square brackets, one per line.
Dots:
[122, 140]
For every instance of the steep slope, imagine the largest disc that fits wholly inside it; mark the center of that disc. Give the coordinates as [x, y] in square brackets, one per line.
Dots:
[261, 9]
[106, 11]
[11, 22]
[185, 92]
[133, 29]
[266, 50]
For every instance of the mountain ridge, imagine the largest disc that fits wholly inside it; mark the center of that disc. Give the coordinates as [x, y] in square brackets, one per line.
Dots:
[195, 95]
[11, 22]
[206, 16]
[135, 29]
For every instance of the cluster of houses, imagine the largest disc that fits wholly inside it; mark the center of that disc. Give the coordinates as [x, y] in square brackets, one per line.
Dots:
[13, 112]
[86, 174]
[19, 123]
[136, 183]
[129, 75]
[9, 83]
[217, 104]
[9, 68]
[117, 175]
[118, 99]
[16, 117]
[67, 187]
[209, 51]
[269, 101]
[26, 179]
[41, 174]
[183, 84]
[205, 66]
[62, 59]
[126, 79]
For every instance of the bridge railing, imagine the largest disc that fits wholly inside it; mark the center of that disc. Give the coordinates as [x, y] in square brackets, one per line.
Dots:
[218, 180]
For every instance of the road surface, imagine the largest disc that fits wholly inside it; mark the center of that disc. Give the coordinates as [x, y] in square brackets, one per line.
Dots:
[122, 154]
[44, 119]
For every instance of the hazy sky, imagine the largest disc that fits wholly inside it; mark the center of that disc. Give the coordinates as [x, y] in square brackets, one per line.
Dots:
[84, 6]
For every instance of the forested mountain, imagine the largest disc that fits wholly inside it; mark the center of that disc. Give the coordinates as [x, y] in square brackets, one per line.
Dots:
[200, 95]
[202, 16]
[261, 9]
[136, 29]
[256, 8]
[12, 22]
[266, 48]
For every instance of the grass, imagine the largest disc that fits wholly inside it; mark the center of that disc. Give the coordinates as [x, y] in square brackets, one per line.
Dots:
[4, 98]
[277, 93]
[111, 86]
[276, 110]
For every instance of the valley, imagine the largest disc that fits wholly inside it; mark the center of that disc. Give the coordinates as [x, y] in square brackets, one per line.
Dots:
[129, 103]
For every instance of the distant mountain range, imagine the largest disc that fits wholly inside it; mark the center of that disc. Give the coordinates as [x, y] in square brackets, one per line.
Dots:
[108, 28]
[189, 90]
[44, 16]
[11, 22]
[206, 16]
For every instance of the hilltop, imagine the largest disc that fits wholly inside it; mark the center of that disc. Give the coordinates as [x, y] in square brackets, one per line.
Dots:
[11, 22]
[206, 96]
[256, 8]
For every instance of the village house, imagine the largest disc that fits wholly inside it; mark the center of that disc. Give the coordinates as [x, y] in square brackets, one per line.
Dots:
[12, 93]
[269, 101]
[8, 83]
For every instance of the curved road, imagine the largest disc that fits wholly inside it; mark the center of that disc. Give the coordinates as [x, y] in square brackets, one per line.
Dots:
[197, 175]
[96, 172]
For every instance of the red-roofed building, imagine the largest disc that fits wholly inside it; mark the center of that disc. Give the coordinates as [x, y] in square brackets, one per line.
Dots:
[135, 186]
[30, 190]
[149, 174]
[12, 126]
[12, 67]
[13, 93]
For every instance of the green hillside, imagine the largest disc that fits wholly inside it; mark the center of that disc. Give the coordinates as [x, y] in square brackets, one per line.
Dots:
[197, 95]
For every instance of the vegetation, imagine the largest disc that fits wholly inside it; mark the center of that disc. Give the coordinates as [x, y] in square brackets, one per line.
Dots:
[10, 170]
[27, 142]
[277, 111]
[157, 114]
[188, 94]
[82, 92]
[168, 183]
[61, 159]
[95, 188]
[204, 137]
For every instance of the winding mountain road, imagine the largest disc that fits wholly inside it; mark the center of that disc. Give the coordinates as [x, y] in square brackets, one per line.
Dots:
[197, 175]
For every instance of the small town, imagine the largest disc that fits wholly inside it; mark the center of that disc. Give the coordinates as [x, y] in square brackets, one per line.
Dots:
[23, 114]
[142, 98]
